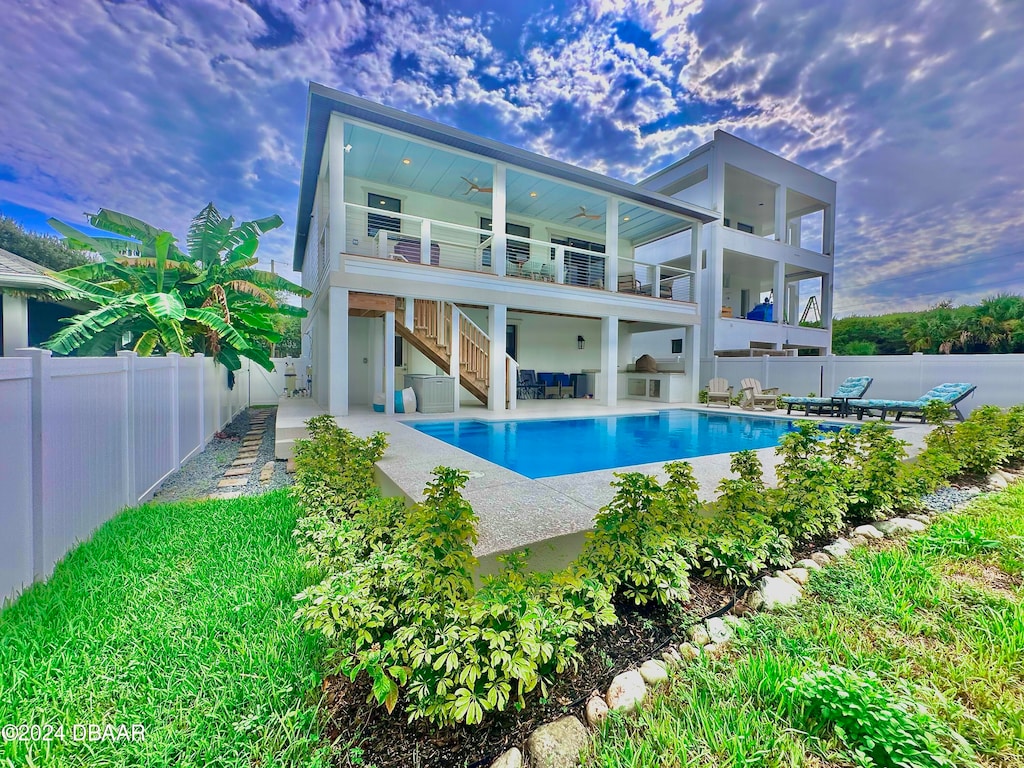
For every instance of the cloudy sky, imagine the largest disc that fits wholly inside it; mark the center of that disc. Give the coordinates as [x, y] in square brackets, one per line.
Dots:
[915, 107]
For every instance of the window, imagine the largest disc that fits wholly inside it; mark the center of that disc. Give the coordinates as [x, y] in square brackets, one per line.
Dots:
[677, 346]
[516, 251]
[512, 341]
[376, 221]
[582, 268]
[399, 350]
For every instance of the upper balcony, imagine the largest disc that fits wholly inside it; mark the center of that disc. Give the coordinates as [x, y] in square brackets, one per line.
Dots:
[394, 187]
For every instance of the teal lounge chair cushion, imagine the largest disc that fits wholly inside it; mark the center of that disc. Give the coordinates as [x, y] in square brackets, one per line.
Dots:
[854, 386]
[947, 393]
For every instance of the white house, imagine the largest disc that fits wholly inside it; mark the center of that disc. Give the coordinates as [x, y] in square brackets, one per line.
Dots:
[772, 247]
[430, 250]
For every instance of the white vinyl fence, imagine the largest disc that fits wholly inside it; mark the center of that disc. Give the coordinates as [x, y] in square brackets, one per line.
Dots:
[81, 438]
[999, 378]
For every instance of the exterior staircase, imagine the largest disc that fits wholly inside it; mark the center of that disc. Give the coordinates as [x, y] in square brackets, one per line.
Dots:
[432, 334]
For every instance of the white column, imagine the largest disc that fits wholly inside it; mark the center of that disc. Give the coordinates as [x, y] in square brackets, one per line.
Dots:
[336, 191]
[337, 351]
[425, 241]
[793, 307]
[512, 377]
[559, 263]
[695, 262]
[15, 323]
[691, 339]
[610, 359]
[715, 275]
[499, 247]
[497, 319]
[779, 292]
[828, 235]
[826, 303]
[389, 362]
[780, 213]
[454, 359]
[611, 245]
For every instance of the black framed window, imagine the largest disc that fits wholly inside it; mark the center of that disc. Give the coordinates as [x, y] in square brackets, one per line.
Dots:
[581, 268]
[677, 346]
[515, 250]
[375, 221]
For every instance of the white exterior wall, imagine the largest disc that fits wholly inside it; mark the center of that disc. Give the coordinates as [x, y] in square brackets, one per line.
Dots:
[85, 437]
[896, 377]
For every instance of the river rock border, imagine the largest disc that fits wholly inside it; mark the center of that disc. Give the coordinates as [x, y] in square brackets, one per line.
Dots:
[559, 744]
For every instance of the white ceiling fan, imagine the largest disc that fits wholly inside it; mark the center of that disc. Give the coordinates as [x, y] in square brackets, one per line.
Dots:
[584, 215]
[474, 187]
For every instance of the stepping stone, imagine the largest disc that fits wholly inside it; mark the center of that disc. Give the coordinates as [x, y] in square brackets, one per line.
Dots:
[225, 495]
[290, 466]
[244, 462]
[247, 454]
[237, 471]
[267, 472]
[233, 482]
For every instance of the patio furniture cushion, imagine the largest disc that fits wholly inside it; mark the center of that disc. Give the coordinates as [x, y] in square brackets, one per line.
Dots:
[853, 387]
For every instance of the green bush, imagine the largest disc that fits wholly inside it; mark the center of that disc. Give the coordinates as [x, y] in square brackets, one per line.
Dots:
[878, 726]
[635, 545]
[738, 541]
[405, 612]
[980, 444]
[874, 478]
[1015, 433]
[810, 499]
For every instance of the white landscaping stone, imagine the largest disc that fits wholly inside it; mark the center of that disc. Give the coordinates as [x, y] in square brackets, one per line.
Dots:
[671, 657]
[626, 692]
[775, 593]
[920, 518]
[858, 541]
[799, 575]
[1007, 476]
[654, 672]
[718, 630]
[839, 548]
[698, 635]
[558, 744]
[689, 651]
[807, 564]
[821, 558]
[511, 759]
[597, 711]
[996, 480]
[868, 531]
[899, 525]
[715, 650]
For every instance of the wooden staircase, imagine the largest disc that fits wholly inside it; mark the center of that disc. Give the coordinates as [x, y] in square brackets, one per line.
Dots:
[432, 333]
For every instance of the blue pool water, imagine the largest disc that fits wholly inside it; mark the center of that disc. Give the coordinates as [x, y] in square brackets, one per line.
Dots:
[548, 447]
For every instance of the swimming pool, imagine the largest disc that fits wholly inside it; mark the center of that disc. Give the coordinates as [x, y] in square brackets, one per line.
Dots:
[549, 447]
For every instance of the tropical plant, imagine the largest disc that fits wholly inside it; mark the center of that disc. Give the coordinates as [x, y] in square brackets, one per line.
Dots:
[46, 251]
[210, 299]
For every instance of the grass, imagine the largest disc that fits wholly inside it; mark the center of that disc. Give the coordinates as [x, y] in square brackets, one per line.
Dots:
[931, 632]
[177, 617]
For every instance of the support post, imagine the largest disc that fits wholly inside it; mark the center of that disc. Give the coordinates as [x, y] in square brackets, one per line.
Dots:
[425, 241]
[389, 362]
[695, 265]
[559, 263]
[497, 319]
[131, 489]
[692, 341]
[41, 359]
[336, 191]
[779, 293]
[611, 246]
[780, 213]
[174, 359]
[454, 357]
[200, 357]
[610, 359]
[337, 351]
[826, 304]
[15, 328]
[499, 218]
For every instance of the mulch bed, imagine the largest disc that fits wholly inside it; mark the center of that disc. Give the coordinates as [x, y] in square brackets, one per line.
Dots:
[388, 741]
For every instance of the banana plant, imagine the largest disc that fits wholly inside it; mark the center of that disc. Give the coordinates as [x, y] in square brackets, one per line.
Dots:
[208, 299]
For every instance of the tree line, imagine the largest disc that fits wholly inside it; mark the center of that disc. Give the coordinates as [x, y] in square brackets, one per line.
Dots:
[994, 326]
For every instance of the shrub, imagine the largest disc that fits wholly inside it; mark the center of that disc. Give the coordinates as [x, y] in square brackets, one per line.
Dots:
[405, 611]
[1015, 433]
[980, 444]
[877, 727]
[739, 541]
[809, 500]
[875, 480]
[635, 545]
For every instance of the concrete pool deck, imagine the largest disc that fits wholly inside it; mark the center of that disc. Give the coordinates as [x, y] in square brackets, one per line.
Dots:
[514, 510]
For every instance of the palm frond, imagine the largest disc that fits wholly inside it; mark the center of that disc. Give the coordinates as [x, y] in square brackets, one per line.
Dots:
[147, 343]
[211, 318]
[244, 286]
[83, 328]
[207, 235]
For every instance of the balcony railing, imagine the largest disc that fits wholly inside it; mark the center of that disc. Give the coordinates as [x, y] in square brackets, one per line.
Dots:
[414, 239]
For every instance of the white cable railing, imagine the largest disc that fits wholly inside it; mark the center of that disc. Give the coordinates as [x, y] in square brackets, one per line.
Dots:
[641, 278]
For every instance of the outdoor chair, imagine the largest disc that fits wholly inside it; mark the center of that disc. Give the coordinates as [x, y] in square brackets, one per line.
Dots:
[408, 249]
[753, 396]
[719, 392]
[528, 387]
[951, 394]
[851, 389]
[628, 284]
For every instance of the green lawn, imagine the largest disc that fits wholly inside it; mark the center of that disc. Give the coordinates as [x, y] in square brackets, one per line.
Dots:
[176, 617]
[939, 621]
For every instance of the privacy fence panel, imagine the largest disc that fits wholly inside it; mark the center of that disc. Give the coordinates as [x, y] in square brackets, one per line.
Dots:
[81, 438]
[16, 471]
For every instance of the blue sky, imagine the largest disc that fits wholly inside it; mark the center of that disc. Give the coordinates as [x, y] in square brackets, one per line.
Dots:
[915, 108]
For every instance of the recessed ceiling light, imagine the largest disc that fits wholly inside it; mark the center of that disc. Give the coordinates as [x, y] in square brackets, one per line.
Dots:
[625, 218]
[383, 203]
[347, 147]
[406, 161]
[533, 194]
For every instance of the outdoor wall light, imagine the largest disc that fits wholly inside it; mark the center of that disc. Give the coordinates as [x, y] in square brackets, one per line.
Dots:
[580, 342]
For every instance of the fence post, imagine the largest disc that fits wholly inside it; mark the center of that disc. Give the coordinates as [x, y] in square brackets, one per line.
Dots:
[40, 384]
[202, 399]
[764, 371]
[175, 360]
[130, 490]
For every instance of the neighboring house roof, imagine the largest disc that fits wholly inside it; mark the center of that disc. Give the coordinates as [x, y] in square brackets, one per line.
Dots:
[16, 272]
[323, 101]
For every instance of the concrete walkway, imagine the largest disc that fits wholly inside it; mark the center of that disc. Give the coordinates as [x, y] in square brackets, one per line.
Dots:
[514, 510]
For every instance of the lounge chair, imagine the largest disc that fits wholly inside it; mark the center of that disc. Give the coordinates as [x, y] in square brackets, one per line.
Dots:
[753, 396]
[851, 389]
[951, 394]
[528, 387]
[719, 392]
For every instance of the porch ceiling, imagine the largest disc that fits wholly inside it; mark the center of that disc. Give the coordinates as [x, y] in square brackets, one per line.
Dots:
[380, 157]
